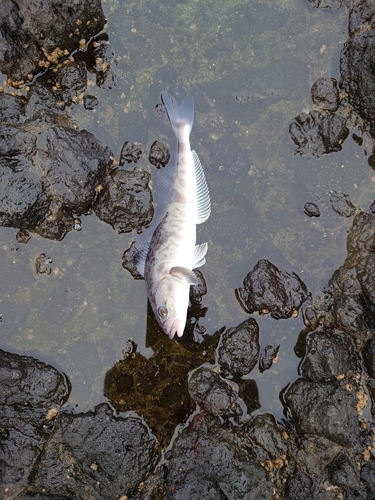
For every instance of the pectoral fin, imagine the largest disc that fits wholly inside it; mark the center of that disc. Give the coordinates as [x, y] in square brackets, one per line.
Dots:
[183, 275]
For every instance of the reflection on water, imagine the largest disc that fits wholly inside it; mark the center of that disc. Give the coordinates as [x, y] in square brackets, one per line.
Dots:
[250, 68]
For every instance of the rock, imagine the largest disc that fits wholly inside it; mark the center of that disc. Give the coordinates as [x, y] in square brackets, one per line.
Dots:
[125, 201]
[318, 132]
[90, 102]
[31, 394]
[43, 264]
[48, 170]
[267, 356]
[40, 35]
[343, 470]
[266, 289]
[325, 94]
[264, 431]
[311, 209]
[341, 204]
[159, 154]
[238, 350]
[71, 81]
[199, 289]
[329, 355]
[356, 69]
[87, 451]
[213, 393]
[301, 486]
[23, 236]
[130, 152]
[211, 462]
[327, 409]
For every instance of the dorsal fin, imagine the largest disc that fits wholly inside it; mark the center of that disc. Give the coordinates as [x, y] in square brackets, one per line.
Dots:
[199, 255]
[203, 195]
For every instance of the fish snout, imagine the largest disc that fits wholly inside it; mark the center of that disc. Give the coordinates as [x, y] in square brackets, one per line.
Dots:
[176, 327]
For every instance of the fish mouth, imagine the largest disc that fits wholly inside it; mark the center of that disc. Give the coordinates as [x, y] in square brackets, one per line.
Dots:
[175, 328]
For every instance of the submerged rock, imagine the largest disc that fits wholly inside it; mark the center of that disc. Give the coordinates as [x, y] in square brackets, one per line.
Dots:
[325, 94]
[130, 152]
[318, 132]
[43, 264]
[341, 204]
[311, 209]
[266, 289]
[159, 154]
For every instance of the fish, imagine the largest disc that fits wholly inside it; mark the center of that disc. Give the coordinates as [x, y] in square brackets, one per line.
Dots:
[166, 252]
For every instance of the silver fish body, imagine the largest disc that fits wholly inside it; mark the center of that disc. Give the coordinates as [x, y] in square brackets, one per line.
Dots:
[167, 251]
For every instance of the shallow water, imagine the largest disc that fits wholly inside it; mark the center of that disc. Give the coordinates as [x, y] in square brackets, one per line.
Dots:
[250, 67]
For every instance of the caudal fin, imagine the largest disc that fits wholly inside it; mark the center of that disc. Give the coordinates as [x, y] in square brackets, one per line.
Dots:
[180, 115]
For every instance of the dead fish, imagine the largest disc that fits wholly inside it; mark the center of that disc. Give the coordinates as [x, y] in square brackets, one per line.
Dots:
[166, 252]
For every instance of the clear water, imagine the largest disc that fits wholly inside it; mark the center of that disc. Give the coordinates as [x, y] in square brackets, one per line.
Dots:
[250, 67]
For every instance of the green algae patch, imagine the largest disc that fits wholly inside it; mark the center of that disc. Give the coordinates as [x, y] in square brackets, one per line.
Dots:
[156, 388]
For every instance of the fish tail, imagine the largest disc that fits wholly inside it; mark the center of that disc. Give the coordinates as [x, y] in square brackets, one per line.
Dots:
[180, 115]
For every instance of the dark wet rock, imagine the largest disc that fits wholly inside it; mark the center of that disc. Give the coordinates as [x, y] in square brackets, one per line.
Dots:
[267, 356]
[368, 477]
[87, 451]
[211, 462]
[130, 152]
[43, 264]
[263, 431]
[356, 69]
[212, 393]
[238, 350]
[343, 470]
[198, 289]
[361, 15]
[128, 262]
[71, 81]
[266, 289]
[326, 409]
[329, 355]
[311, 209]
[125, 201]
[10, 107]
[249, 393]
[159, 154]
[90, 102]
[301, 486]
[369, 357]
[372, 207]
[347, 303]
[31, 394]
[341, 204]
[318, 132]
[48, 170]
[106, 80]
[325, 94]
[23, 236]
[104, 55]
[37, 35]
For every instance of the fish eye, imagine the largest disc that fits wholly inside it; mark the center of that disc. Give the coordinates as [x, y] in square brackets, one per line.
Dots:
[162, 311]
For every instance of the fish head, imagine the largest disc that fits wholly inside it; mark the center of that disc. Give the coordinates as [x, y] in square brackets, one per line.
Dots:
[170, 303]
